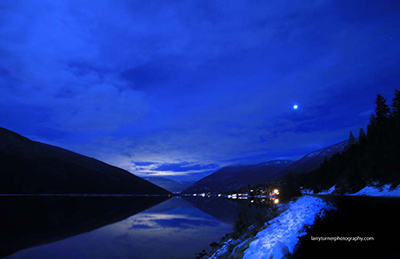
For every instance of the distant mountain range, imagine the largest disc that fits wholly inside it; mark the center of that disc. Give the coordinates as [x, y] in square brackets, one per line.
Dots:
[32, 167]
[231, 178]
[168, 184]
[313, 160]
[234, 177]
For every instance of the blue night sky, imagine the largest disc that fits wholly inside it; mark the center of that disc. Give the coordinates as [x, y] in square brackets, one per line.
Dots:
[181, 88]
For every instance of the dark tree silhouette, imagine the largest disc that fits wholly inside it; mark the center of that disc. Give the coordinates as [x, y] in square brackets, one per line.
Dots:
[396, 105]
[362, 138]
[352, 139]
[382, 110]
[371, 126]
[374, 158]
[289, 187]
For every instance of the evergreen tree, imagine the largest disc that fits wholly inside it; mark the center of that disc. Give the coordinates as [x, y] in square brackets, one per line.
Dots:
[362, 138]
[396, 105]
[290, 188]
[352, 140]
[375, 159]
[395, 121]
[382, 110]
[372, 124]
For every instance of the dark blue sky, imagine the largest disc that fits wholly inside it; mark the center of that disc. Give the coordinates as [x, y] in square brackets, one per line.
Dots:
[180, 88]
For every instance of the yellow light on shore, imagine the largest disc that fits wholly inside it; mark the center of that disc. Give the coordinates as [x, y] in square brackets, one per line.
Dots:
[276, 191]
[276, 201]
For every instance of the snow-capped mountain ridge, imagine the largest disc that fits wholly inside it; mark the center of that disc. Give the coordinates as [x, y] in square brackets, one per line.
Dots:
[240, 176]
[313, 160]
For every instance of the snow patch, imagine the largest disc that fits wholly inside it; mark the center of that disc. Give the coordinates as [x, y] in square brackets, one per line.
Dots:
[313, 154]
[276, 162]
[375, 191]
[330, 191]
[282, 233]
[307, 191]
[219, 252]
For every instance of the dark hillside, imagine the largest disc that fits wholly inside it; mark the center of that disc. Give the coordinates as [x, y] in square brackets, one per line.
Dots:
[33, 167]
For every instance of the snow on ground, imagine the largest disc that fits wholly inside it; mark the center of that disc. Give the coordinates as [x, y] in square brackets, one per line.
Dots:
[307, 191]
[281, 235]
[383, 191]
[330, 191]
[220, 251]
[313, 154]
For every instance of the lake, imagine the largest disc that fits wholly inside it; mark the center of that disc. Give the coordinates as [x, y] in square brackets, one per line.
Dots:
[115, 227]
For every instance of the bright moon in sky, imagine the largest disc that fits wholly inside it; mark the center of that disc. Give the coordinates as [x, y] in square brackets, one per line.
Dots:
[295, 106]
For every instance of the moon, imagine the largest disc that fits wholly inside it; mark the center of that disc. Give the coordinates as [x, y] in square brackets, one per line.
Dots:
[295, 106]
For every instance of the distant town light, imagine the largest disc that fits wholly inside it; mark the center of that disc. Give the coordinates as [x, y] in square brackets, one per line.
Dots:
[276, 201]
[276, 191]
[219, 195]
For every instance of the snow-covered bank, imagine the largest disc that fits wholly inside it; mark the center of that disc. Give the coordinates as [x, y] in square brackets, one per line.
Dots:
[325, 192]
[330, 191]
[307, 191]
[281, 234]
[234, 246]
[383, 191]
[371, 190]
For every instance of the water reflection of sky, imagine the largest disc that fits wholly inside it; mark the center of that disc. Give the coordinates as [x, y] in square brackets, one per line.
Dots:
[173, 229]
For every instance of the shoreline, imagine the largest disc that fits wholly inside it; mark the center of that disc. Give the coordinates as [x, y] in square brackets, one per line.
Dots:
[290, 222]
[81, 195]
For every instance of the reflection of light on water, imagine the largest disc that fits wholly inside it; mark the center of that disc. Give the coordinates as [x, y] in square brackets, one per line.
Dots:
[143, 235]
[148, 233]
[270, 199]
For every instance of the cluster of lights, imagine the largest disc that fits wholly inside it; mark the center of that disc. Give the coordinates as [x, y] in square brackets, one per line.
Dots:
[272, 196]
[200, 194]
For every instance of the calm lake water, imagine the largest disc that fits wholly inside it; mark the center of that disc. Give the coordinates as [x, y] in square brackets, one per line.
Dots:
[114, 227]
